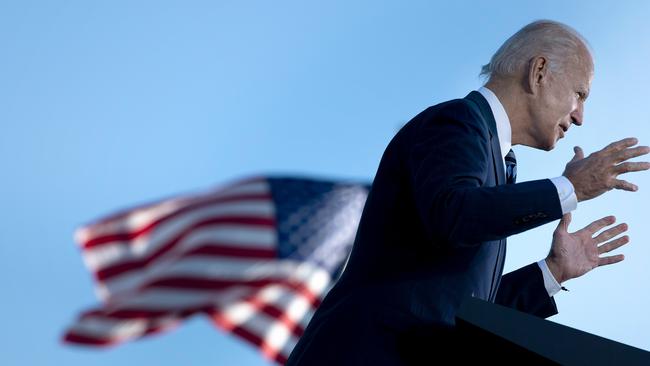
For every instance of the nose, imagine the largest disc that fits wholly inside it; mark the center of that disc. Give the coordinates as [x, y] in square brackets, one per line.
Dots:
[577, 114]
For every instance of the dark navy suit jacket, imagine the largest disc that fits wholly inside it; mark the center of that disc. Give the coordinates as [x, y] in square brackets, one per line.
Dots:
[432, 232]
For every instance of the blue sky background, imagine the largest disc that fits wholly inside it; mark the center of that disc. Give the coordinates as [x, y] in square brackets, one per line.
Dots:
[104, 105]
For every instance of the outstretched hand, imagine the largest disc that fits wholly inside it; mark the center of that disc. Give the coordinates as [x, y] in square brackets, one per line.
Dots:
[574, 254]
[598, 172]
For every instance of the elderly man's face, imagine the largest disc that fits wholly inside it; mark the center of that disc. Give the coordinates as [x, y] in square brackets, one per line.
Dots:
[561, 102]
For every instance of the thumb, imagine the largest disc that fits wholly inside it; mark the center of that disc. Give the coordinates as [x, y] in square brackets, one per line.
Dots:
[564, 222]
[579, 154]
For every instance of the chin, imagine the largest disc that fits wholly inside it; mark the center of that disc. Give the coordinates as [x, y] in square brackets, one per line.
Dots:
[549, 145]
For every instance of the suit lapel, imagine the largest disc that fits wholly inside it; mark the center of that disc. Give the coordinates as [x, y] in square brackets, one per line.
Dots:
[488, 118]
[497, 160]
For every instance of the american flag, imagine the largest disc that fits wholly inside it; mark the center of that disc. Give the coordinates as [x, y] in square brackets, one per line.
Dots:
[256, 257]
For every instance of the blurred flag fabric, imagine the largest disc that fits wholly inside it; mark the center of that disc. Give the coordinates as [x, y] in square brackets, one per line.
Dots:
[256, 257]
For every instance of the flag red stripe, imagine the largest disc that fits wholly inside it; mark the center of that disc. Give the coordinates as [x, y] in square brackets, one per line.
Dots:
[280, 314]
[295, 328]
[213, 286]
[193, 283]
[131, 314]
[312, 298]
[258, 341]
[87, 340]
[127, 266]
[72, 337]
[143, 313]
[125, 237]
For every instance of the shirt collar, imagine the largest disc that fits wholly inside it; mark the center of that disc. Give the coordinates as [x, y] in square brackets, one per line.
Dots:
[504, 131]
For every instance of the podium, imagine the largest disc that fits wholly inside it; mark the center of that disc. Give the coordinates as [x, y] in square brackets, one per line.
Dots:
[502, 334]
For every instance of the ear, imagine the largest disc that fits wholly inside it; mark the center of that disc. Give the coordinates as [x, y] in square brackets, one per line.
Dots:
[537, 73]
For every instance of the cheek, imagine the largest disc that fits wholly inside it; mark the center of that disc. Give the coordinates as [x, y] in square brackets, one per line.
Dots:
[570, 103]
[561, 111]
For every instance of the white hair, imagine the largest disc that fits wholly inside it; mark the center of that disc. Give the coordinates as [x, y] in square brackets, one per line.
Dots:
[556, 41]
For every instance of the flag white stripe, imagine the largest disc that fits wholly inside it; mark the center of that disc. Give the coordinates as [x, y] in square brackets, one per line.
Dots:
[232, 269]
[172, 300]
[288, 346]
[140, 217]
[120, 330]
[240, 235]
[296, 306]
[161, 299]
[274, 333]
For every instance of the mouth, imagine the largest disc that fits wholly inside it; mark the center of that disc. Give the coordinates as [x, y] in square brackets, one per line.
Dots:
[564, 128]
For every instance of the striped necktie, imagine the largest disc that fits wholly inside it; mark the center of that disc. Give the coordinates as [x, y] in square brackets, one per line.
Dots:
[511, 167]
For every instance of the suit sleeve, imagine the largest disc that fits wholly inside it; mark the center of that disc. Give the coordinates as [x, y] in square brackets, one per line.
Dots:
[448, 164]
[524, 290]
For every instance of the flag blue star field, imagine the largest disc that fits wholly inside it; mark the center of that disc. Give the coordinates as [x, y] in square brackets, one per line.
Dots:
[256, 257]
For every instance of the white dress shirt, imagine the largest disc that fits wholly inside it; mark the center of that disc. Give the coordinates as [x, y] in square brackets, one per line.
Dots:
[565, 190]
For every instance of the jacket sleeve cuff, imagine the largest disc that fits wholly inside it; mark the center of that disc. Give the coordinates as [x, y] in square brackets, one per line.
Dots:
[550, 283]
[566, 193]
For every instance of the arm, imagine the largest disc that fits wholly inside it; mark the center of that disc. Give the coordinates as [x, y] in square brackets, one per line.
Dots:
[449, 163]
[572, 255]
[524, 290]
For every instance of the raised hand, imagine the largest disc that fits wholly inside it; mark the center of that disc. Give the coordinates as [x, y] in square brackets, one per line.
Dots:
[598, 173]
[574, 254]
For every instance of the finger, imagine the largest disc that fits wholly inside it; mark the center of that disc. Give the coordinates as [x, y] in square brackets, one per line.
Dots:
[624, 185]
[604, 261]
[628, 154]
[563, 225]
[578, 154]
[621, 144]
[613, 245]
[565, 221]
[631, 167]
[610, 233]
[599, 224]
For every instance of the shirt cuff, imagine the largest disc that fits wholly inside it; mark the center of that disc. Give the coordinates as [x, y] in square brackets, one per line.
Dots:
[566, 193]
[551, 284]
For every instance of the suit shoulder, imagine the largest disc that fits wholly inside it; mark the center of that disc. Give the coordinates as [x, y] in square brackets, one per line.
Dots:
[461, 111]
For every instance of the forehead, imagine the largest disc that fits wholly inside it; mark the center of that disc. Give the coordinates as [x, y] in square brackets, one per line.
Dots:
[581, 69]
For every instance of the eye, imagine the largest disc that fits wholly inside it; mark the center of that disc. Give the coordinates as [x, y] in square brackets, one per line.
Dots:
[580, 95]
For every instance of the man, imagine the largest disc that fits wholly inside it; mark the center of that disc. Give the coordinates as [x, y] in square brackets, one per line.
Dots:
[444, 200]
